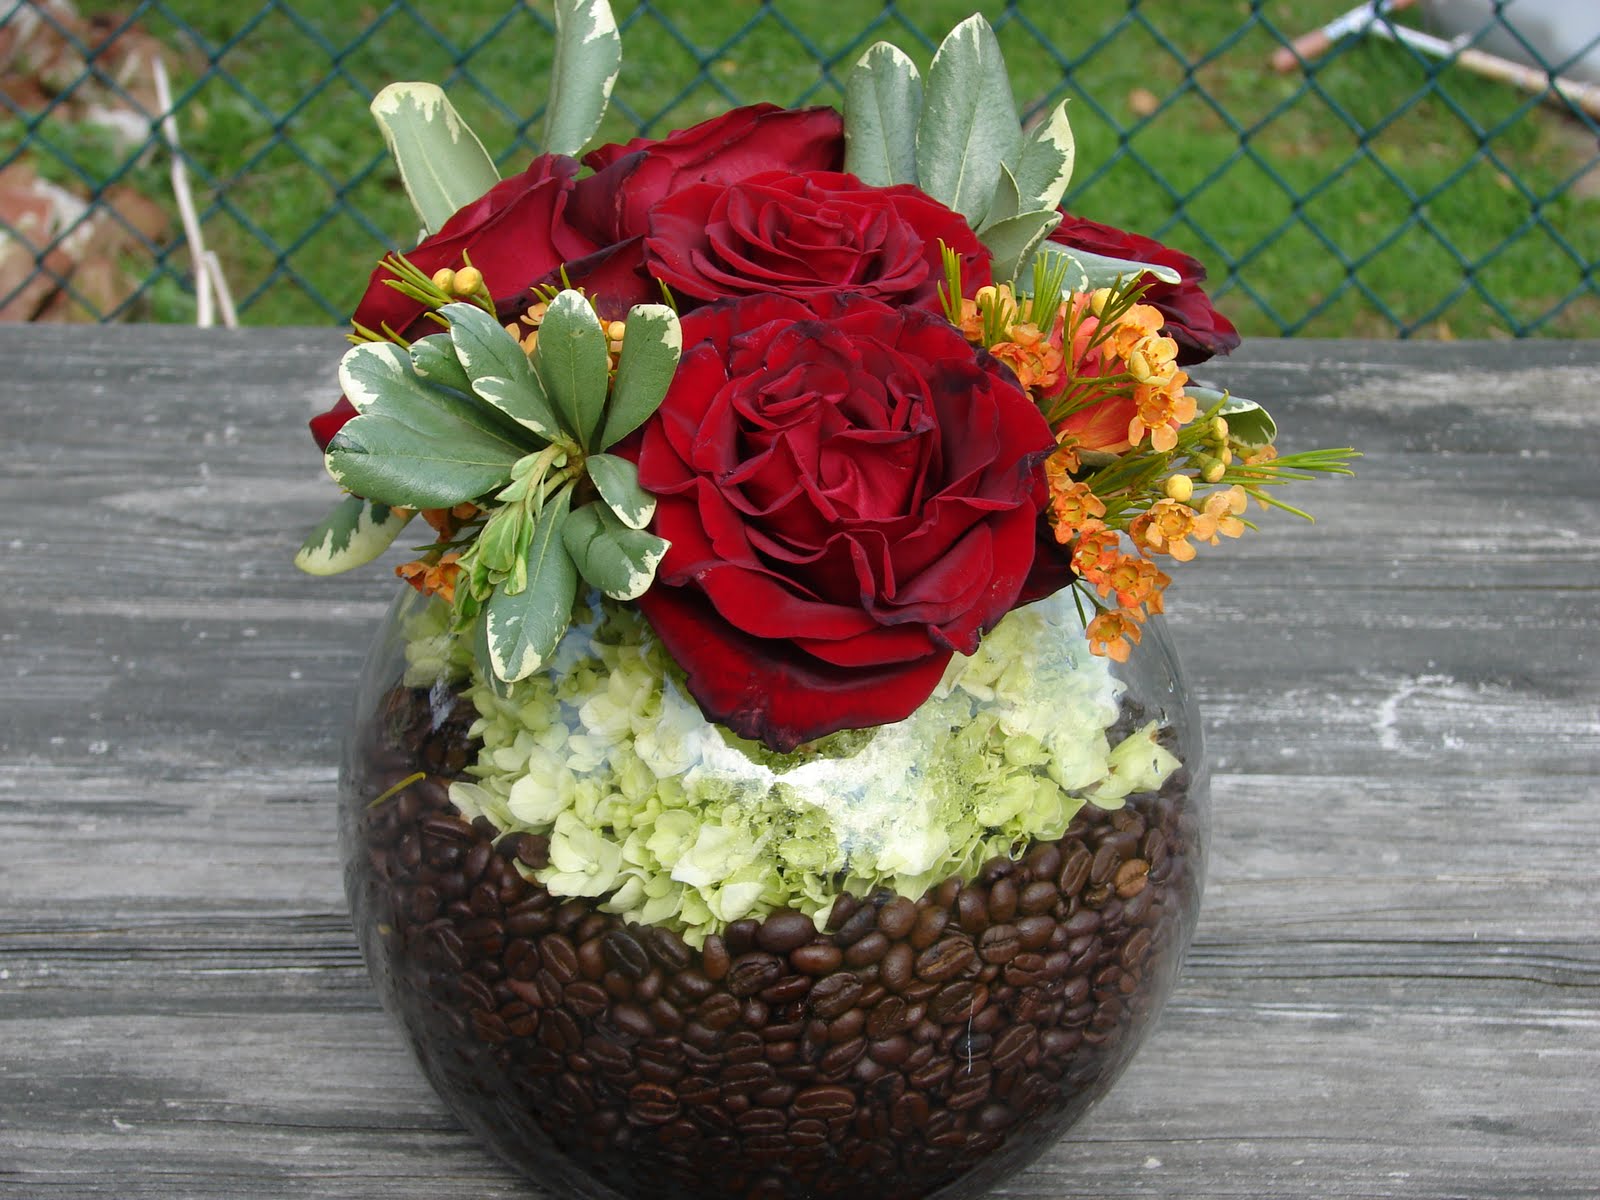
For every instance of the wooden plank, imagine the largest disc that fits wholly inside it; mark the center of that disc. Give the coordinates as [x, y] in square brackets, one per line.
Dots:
[1395, 991]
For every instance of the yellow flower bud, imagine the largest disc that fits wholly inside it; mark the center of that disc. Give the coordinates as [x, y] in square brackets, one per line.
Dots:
[445, 280]
[1219, 427]
[615, 330]
[1214, 472]
[467, 282]
[1179, 488]
[1225, 456]
[1139, 366]
[1098, 299]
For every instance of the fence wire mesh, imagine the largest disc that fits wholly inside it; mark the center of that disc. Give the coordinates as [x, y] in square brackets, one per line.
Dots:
[1377, 188]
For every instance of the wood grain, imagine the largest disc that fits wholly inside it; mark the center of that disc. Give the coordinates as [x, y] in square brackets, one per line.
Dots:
[1395, 990]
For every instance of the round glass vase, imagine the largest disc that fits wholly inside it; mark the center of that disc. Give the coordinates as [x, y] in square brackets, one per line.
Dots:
[640, 957]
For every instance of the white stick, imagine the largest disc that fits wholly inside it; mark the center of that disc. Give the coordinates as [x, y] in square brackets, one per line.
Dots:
[208, 274]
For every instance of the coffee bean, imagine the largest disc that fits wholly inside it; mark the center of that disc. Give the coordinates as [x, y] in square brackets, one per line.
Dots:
[897, 918]
[560, 957]
[817, 958]
[958, 1001]
[833, 995]
[1075, 871]
[714, 958]
[624, 954]
[1131, 877]
[868, 950]
[788, 988]
[861, 922]
[785, 931]
[753, 971]
[931, 922]
[668, 949]
[825, 1102]
[999, 943]
[897, 967]
[718, 1011]
[653, 1104]
[946, 959]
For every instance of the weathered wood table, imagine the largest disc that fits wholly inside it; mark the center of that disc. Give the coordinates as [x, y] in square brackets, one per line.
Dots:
[1395, 991]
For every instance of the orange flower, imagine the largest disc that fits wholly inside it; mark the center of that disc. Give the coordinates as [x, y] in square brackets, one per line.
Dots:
[1072, 504]
[433, 579]
[447, 522]
[1036, 361]
[1111, 633]
[1136, 581]
[1224, 508]
[1168, 525]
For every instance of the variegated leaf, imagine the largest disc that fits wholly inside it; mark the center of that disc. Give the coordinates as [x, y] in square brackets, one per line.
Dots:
[354, 533]
[523, 628]
[588, 56]
[573, 365]
[882, 107]
[620, 561]
[1044, 165]
[443, 165]
[499, 369]
[651, 346]
[617, 481]
[969, 121]
[1014, 240]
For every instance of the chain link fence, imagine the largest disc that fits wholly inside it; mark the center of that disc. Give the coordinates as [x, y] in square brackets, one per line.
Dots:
[1385, 185]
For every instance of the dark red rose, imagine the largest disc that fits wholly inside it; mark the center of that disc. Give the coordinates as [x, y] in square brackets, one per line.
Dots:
[612, 207]
[514, 233]
[851, 492]
[1198, 328]
[807, 234]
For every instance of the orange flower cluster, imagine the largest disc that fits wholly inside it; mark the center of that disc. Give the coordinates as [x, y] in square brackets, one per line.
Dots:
[1168, 524]
[1108, 413]
[435, 578]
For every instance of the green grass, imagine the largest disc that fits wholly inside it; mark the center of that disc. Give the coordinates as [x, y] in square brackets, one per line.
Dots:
[1359, 206]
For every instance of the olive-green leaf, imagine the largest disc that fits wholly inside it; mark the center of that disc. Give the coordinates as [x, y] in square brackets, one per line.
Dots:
[620, 561]
[651, 346]
[617, 481]
[443, 165]
[434, 358]
[354, 533]
[415, 443]
[499, 369]
[1100, 271]
[588, 56]
[1007, 200]
[1248, 423]
[572, 364]
[882, 106]
[1044, 165]
[499, 539]
[969, 121]
[524, 627]
[1014, 240]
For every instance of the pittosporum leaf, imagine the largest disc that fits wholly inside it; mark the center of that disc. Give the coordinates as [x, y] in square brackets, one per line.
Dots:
[499, 369]
[573, 366]
[651, 346]
[434, 358]
[1248, 423]
[1044, 164]
[882, 107]
[588, 56]
[617, 481]
[523, 628]
[354, 533]
[620, 561]
[1014, 240]
[443, 165]
[969, 121]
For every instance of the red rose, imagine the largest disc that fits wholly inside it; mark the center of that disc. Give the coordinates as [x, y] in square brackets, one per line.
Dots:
[515, 232]
[612, 207]
[1199, 329]
[851, 492]
[807, 234]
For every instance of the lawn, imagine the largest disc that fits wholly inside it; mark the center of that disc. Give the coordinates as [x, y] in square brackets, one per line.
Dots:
[1360, 205]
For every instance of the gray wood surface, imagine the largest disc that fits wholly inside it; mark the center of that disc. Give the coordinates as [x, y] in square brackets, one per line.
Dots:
[1395, 991]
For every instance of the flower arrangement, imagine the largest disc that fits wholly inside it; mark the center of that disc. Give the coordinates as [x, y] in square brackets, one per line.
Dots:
[794, 415]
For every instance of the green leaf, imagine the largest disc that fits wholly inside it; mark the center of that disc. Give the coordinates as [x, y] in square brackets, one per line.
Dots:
[1248, 423]
[1007, 201]
[443, 165]
[969, 121]
[354, 533]
[433, 358]
[500, 537]
[650, 351]
[620, 561]
[499, 369]
[617, 481]
[882, 105]
[1100, 271]
[1044, 167]
[523, 628]
[588, 56]
[414, 443]
[572, 364]
[1014, 240]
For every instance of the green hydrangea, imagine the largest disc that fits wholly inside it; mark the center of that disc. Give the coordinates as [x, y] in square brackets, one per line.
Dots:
[669, 819]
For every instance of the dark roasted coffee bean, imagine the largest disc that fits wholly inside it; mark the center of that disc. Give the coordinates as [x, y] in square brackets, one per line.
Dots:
[1135, 948]
[897, 967]
[753, 971]
[587, 999]
[788, 988]
[946, 959]
[868, 950]
[761, 1120]
[1105, 863]
[1043, 860]
[668, 949]
[825, 1102]
[718, 1011]
[999, 943]
[842, 1057]
[909, 1113]
[930, 927]
[714, 958]
[897, 918]
[1075, 871]
[1038, 897]
[754, 1013]
[958, 1002]
[1003, 900]
[785, 931]
[744, 1046]
[860, 923]
[847, 1025]
[653, 1104]
[1013, 1046]
[892, 1015]
[741, 936]
[971, 1045]
[817, 958]
[833, 995]
[560, 957]
[972, 908]
[630, 1019]
[891, 1051]
[1034, 932]
[1131, 877]
[623, 953]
